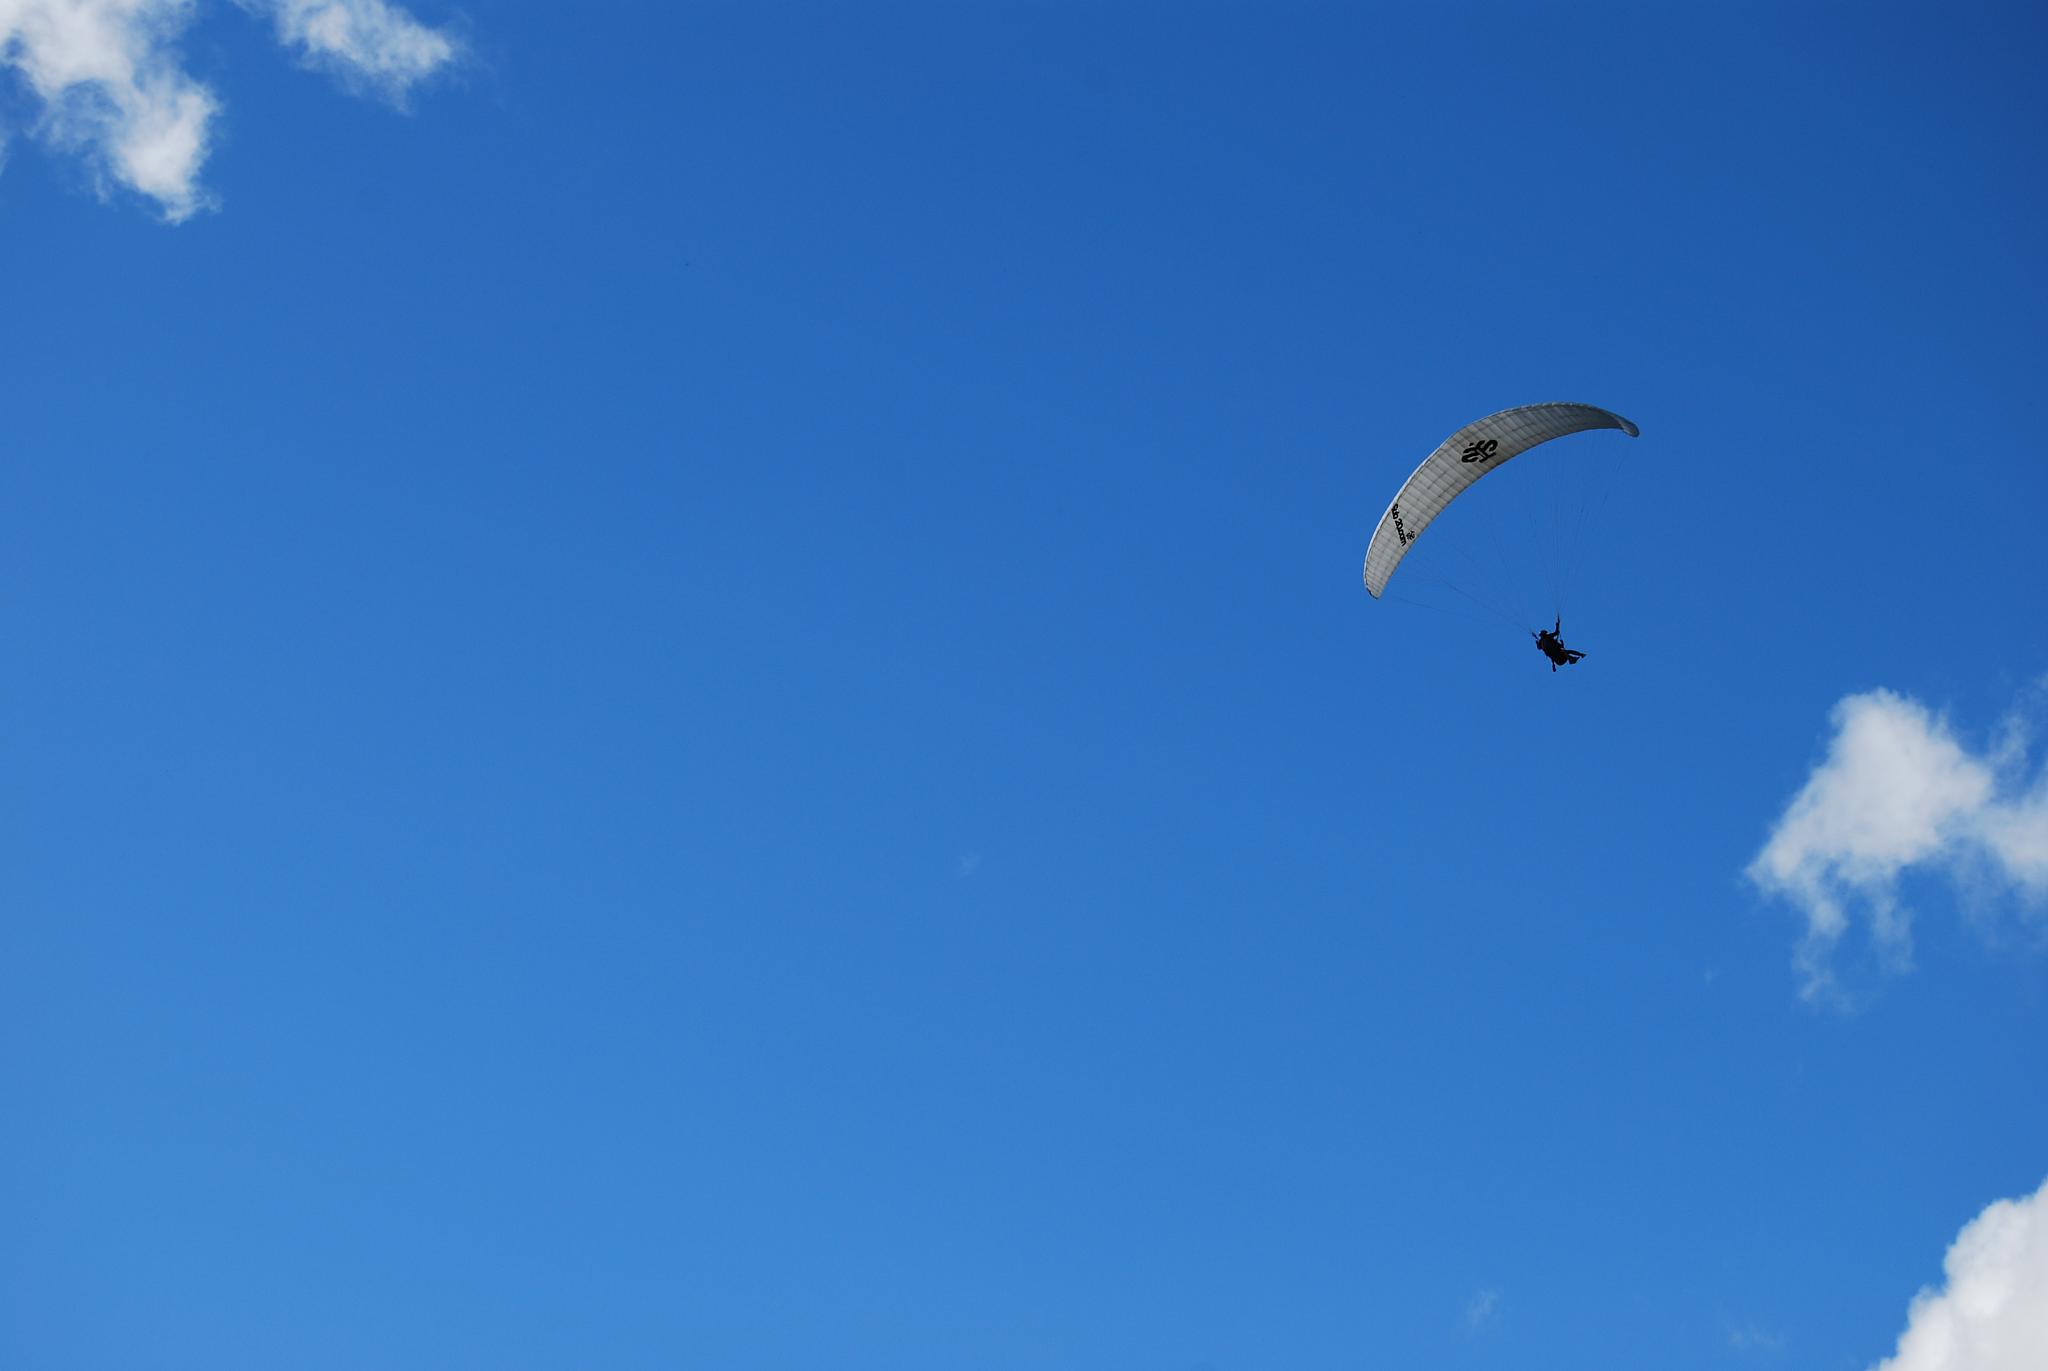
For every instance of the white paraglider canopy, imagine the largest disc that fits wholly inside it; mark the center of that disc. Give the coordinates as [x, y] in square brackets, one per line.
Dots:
[1459, 461]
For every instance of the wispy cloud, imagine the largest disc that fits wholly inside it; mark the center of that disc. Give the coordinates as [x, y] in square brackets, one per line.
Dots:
[970, 862]
[1752, 1339]
[1480, 1309]
[1898, 791]
[1992, 1313]
[107, 77]
[363, 42]
[112, 87]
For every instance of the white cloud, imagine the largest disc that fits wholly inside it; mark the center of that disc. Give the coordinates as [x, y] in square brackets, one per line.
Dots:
[110, 86]
[1755, 1340]
[1481, 1308]
[361, 41]
[1993, 1313]
[108, 77]
[1897, 791]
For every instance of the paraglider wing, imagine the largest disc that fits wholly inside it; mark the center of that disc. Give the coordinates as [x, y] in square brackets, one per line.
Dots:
[1460, 461]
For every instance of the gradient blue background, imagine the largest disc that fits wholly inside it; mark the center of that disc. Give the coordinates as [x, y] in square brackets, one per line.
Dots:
[708, 704]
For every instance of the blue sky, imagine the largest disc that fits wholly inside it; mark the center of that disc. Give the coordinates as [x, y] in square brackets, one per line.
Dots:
[689, 687]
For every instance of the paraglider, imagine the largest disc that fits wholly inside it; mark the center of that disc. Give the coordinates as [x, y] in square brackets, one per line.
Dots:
[1459, 463]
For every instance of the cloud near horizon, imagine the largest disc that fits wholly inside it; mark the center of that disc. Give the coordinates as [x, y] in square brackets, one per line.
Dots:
[1992, 1314]
[111, 87]
[1897, 792]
